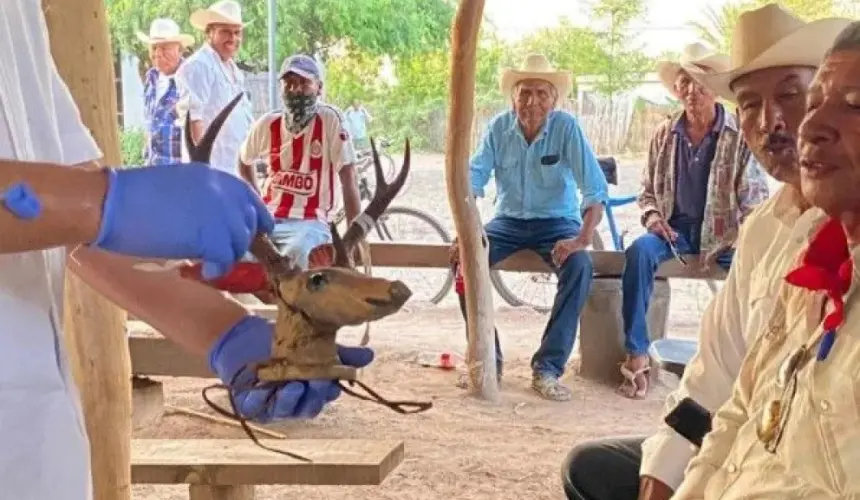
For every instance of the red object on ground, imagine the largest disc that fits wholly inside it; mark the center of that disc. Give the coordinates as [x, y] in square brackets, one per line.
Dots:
[250, 277]
[445, 361]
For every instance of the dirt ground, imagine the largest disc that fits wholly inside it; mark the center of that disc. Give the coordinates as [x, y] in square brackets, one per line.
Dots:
[463, 447]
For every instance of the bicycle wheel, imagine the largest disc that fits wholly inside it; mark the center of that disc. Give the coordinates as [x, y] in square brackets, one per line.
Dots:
[404, 224]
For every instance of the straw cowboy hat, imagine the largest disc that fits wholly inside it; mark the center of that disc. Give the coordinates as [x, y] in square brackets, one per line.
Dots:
[770, 37]
[695, 58]
[536, 66]
[223, 12]
[165, 30]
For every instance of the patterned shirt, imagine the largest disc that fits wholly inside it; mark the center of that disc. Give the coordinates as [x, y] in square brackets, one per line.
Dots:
[736, 184]
[163, 134]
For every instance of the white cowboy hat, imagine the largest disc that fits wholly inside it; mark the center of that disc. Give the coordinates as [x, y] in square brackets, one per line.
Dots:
[163, 30]
[536, 66]
[223, 12]
[770, 37]
[695, 58]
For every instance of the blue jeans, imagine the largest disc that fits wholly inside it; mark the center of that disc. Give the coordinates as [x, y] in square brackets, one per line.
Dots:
[506, 236]
[642, 258]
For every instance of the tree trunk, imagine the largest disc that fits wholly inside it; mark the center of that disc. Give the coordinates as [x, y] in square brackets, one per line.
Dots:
[94, 327]
[481, 354]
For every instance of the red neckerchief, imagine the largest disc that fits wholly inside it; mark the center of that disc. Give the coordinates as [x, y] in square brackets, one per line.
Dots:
[827, 267]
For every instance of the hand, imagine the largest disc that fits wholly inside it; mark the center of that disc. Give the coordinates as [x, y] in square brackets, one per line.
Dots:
[651, 488]
[658, 226]
[250, 341]
[564, 248]
[184, 211]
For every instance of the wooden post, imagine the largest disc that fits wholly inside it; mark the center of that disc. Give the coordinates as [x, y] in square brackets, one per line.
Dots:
[481, 354]
[94, 327]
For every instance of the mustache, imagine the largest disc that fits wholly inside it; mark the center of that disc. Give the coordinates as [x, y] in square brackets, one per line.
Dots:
[779, 140]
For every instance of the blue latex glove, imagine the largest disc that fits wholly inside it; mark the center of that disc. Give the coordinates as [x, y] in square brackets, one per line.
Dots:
[184, 211]
[250, 341]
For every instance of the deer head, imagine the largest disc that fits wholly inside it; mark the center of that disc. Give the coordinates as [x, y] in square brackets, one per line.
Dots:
[323, 300]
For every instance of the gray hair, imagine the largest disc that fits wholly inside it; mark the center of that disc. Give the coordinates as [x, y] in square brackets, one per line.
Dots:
[848, 39]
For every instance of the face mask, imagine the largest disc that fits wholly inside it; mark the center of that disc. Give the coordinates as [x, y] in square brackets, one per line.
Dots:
[299, 110]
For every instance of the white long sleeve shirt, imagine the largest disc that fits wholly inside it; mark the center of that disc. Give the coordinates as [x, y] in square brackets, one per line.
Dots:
[770, 237]
[206, 85]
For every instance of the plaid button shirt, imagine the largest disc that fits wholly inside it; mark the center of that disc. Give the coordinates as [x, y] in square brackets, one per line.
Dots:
[162, 145]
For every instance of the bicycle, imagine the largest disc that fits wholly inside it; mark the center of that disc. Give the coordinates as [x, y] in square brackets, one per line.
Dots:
[610, 170]
[385, 223]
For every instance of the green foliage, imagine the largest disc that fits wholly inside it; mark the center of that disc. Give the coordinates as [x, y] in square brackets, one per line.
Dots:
[131, 142]
[394, 27]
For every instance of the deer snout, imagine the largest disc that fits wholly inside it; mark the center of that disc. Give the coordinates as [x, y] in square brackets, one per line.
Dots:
[399, 293]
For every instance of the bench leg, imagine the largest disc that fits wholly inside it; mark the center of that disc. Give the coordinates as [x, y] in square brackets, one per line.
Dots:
[209, 492]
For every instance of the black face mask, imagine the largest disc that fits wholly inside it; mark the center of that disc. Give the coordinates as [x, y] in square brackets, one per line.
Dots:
[299, 110]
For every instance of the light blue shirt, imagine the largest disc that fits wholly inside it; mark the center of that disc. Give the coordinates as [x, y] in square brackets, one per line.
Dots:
[539, 180]
[357, 122]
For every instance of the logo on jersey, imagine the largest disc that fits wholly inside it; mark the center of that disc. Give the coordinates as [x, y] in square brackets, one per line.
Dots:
[296, 183]
[316, 149]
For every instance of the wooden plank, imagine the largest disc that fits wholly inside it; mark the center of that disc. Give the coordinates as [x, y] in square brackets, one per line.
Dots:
[160, 357]
[230, 462]
[606, 263]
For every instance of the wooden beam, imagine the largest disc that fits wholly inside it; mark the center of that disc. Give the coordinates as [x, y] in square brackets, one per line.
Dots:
[235, 462]
[153, 356]
[81, 49]
[606, 263]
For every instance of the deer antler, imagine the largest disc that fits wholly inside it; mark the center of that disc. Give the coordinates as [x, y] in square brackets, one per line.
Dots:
[382, 198]
[262, 248]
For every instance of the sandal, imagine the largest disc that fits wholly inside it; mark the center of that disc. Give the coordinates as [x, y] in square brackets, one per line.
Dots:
[630, 388]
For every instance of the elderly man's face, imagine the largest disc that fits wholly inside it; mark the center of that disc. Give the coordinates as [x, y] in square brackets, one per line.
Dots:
[533, 100]
[293, 84]
[225, 39]
[165, 56]
[830, 136]
[696, 98]
[771, 105]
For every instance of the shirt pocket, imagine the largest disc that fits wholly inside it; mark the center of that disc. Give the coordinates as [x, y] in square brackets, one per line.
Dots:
[835, 408]
[555, 177]
[508, 171]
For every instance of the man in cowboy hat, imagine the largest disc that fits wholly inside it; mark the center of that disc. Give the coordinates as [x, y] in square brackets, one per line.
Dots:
[541, 158]
[697, 187]
[210, 79]
[774, 56]
[791, 428]
[160, 94]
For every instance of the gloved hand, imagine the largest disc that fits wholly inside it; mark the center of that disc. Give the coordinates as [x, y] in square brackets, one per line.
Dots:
[250, 341]
[184, 211]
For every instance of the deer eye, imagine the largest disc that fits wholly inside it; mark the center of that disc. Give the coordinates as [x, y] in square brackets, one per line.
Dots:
[317, 281]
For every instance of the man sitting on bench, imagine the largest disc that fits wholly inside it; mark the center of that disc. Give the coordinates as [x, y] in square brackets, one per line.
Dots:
[697, 187]
[540, 158]
[772, 99]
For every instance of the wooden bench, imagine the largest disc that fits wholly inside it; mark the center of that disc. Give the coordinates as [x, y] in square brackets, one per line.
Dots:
[229, 469]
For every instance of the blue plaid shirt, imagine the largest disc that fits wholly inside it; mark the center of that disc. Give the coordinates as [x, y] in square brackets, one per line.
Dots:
[163, 146]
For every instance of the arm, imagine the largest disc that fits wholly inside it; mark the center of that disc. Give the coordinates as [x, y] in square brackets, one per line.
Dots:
[253, 147]
[342, 153]
[589, 177]
[194, 80]
[190, 313]
[752, 187]
[647, 198]
[709, 378]
[482, 163]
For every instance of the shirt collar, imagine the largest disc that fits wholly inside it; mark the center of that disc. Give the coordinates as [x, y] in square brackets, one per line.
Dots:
[722, 121]
[787, 205]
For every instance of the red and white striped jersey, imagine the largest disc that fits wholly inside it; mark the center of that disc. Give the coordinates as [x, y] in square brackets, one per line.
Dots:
[301, 181]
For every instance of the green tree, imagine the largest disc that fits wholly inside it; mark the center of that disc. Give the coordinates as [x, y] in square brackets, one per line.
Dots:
[393, 27]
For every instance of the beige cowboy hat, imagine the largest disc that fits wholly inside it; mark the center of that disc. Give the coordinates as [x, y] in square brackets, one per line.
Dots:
[223, 12]
[770, 37]
[163, 30]
[695, 58]
[536, 66]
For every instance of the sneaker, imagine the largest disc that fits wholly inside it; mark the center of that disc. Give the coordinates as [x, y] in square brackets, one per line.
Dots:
[550, 388]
